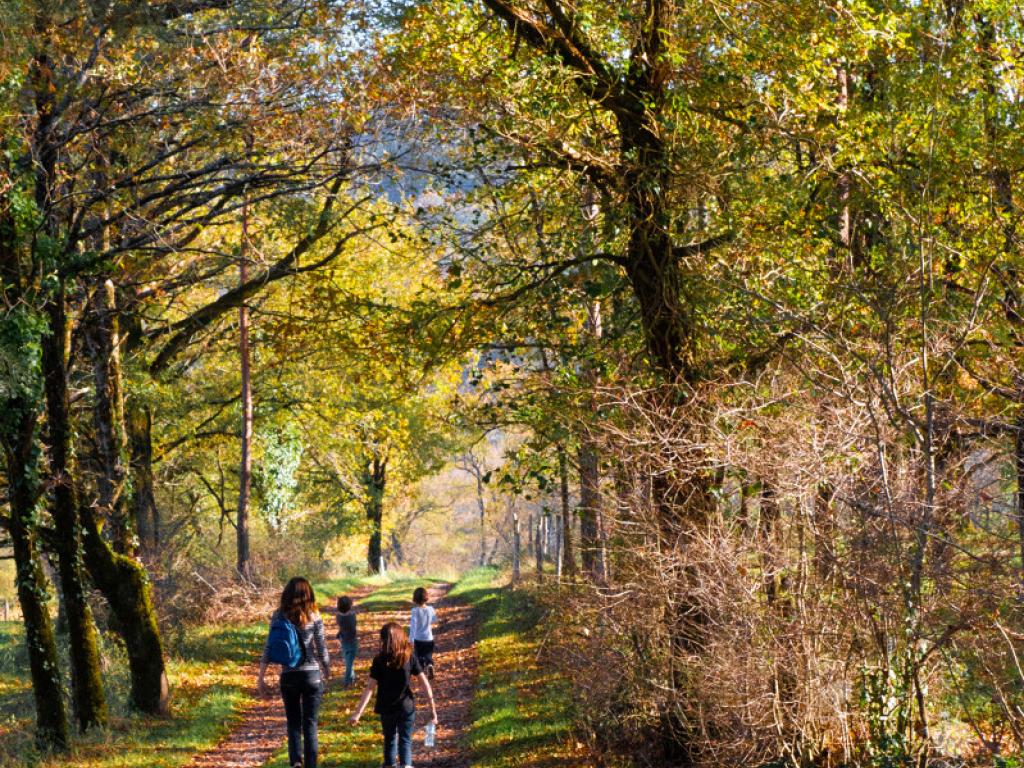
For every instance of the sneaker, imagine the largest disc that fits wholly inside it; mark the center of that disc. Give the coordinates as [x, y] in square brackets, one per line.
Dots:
[430, 671]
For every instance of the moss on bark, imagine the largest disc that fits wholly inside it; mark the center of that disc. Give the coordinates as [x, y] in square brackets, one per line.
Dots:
[21, 454]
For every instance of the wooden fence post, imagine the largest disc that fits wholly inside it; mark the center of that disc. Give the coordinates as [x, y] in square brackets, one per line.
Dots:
[515, 547]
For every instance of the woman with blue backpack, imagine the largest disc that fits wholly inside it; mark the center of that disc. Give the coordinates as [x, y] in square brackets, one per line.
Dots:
[296, 642]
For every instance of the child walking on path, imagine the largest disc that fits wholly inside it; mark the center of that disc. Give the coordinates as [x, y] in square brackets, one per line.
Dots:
[348, 638]
[391, 676]
[421, 631]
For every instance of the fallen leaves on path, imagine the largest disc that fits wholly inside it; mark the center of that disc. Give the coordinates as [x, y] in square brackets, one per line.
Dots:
[260, 732]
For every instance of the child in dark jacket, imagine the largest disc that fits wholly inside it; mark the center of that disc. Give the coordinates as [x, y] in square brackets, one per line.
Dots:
[347, 636]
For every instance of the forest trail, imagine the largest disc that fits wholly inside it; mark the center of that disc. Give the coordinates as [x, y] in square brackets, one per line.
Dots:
[261, 732]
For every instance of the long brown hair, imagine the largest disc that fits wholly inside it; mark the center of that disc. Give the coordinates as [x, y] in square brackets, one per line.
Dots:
[298, 602]
[394, 646]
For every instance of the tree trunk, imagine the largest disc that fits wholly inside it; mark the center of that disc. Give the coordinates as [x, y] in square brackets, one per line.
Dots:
[119, 576]
[557, 533]
[103, 344]
[243, 564]
[21, 456]
[651, 263]
[538, 545]
[375, 479]
[824, 535]
[396, 548]
[1003, 190]
[125, 584]
[483, 520]
[568, 555]
[19, 422]
[90, 703]
[590, 501]
[844, 217]
[144, 511]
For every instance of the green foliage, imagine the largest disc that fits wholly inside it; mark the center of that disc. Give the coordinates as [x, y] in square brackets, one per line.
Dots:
[21, 383]
[274, 478]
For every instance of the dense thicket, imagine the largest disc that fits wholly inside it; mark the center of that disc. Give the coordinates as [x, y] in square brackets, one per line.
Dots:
[775, 250]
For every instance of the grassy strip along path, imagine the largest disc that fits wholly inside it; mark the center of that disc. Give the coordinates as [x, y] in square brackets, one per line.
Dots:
[522, 713]
[207, 683]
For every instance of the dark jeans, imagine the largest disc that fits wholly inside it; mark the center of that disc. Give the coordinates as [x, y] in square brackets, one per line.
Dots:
[349, 651]
[397, 729]
[424, 652]
[302, 691]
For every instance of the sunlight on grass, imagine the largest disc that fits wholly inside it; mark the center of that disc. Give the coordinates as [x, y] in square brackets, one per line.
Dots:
[521, 713]
[206, 698]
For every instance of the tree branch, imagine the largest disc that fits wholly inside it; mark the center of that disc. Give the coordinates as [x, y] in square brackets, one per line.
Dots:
[695, 249]
[286, 266]
[595, 80]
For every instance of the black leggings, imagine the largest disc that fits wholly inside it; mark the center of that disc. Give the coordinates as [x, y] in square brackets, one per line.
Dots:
[302, 691]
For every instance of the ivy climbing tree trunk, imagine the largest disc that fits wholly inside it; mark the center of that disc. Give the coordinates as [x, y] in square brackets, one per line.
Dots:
[21, 455]
[21, 400]
[90, 704]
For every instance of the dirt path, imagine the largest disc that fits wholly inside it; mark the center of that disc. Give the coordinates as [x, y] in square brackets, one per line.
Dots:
[261, 732]
[455, 673]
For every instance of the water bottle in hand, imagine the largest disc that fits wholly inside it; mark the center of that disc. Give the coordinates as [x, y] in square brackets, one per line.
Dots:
[429, 735]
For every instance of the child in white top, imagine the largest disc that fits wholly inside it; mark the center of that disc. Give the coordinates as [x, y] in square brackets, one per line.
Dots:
[421, 620]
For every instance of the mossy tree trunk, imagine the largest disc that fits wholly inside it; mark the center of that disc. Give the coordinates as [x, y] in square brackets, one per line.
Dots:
[122, 579]
[21, 456]
[125, 585]
[102, 344]
[86, 682]
[142, 508]
[89, 701]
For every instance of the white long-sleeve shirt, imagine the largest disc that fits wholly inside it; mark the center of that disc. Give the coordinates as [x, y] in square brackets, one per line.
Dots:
[421, 619]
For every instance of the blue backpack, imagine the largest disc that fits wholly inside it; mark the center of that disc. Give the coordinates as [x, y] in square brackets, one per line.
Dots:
[284, 644]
